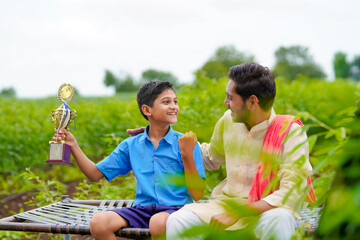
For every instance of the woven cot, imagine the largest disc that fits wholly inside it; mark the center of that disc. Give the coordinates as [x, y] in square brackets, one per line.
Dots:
[69, 217]
[73, 217]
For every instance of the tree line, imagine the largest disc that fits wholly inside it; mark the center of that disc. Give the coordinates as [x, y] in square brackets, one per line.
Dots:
[124, 82]
[290, 63]
[346, 69]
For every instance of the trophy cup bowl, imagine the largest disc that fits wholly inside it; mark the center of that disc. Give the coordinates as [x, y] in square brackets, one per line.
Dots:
[60, 152]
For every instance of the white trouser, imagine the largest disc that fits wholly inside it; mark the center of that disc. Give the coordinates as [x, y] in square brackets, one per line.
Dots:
[277, 223]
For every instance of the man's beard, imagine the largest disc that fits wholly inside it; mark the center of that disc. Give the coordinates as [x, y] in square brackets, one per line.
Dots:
[241, 115]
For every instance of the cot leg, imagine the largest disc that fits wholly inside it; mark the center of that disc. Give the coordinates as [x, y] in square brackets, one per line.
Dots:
[67, 237]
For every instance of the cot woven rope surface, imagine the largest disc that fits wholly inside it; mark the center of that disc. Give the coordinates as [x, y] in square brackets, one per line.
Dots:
[73, 217]
[68, 213]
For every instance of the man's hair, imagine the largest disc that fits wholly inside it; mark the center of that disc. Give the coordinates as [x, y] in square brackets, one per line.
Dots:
[254, 79]
[149, 91]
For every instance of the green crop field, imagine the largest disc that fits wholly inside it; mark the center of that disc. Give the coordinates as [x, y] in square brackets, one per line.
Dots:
[326, 108]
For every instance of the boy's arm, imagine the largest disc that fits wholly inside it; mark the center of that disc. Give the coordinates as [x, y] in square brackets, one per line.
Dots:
[86, 165]
[194, 182]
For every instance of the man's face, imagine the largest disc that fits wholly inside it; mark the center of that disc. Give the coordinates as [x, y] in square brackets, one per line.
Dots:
[239, 110]
[165, 108]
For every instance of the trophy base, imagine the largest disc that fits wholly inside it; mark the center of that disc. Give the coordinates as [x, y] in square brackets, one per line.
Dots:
[59, 154]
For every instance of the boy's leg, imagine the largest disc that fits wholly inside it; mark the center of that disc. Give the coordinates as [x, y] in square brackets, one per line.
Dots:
[157, 224]
[277, 223]
[103, 225]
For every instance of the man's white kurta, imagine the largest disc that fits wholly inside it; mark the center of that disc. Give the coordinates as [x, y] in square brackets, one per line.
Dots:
[240, 149]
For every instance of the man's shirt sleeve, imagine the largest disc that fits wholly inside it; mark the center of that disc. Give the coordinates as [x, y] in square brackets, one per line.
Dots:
[214, 153]
[117, 163]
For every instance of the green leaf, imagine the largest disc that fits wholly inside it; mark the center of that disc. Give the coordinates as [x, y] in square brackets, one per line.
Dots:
[329, 134]
[312, 140]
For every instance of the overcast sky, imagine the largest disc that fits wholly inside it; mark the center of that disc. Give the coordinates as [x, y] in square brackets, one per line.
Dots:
[44, 43]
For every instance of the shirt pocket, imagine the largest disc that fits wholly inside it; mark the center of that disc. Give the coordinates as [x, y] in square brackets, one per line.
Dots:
[146, 166]
[174, 166]
[174, 174]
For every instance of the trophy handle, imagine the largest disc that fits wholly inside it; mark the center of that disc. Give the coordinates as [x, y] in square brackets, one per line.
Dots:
[72, 116]
[52, 115]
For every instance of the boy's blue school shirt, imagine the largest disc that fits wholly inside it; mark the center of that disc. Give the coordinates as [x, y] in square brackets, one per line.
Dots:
[152, 168]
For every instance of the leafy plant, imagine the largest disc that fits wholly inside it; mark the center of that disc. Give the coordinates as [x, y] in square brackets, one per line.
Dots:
[47, 191]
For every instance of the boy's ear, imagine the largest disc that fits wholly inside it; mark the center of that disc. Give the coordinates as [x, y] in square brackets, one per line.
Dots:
[146, 110]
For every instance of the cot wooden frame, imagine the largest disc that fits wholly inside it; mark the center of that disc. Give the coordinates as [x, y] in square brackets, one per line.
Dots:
[73, 216]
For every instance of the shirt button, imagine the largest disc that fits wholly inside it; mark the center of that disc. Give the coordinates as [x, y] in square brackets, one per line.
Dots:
[157, 179]
[155, 157]
[161, 203]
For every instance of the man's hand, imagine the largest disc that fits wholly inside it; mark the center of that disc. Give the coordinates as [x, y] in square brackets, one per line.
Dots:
[136, 131]
[187, 143]
[222, 221]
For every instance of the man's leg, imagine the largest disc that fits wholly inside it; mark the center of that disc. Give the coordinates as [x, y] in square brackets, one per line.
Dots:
[179, 221]
[277, 223]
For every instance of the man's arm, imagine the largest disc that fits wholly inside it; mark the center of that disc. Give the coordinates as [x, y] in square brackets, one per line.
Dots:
[86, 165]
[225, 220]
[211, 160]
[194, 182]
[213, 153]
[260, 206]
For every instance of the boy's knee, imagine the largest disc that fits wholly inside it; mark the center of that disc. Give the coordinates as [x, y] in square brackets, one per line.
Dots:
[106, 222]
[98, 223]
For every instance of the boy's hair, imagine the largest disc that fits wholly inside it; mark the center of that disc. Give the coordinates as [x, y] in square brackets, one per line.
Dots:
[149, 91]
[254, 79]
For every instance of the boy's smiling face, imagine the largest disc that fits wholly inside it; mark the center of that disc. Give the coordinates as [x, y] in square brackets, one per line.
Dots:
[165, 108]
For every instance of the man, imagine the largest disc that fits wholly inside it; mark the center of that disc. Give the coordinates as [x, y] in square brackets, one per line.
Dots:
[238, 139]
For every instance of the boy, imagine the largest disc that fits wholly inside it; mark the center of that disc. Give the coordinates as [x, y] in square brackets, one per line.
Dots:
[153, 156]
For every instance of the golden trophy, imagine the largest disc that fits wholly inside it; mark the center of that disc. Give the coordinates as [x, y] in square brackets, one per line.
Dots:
[59, 153]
